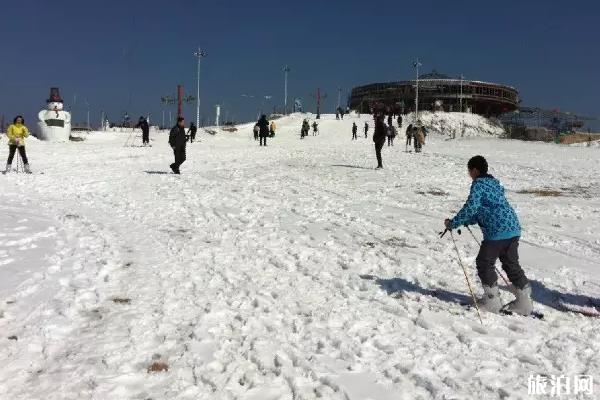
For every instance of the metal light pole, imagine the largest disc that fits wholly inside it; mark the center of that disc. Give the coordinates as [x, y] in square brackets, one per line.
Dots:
[286, 69]
[199, 54]
[87, 104]
[461, 92]
[417, 65]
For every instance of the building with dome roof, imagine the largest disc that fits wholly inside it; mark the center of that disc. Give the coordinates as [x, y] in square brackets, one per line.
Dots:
[437, 91]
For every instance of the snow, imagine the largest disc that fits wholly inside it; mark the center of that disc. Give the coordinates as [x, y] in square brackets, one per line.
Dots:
[295, 271]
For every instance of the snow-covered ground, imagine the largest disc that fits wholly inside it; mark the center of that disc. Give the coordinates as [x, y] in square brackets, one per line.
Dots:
[295, 271]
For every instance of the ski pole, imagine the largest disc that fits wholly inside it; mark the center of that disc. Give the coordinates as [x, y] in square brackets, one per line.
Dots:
[466, 277]
[18, 160]
[477, 241]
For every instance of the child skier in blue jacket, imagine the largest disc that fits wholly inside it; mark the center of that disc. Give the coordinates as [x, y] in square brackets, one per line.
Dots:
[487, 206]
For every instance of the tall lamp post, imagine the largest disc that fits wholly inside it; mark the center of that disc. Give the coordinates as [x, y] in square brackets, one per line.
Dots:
[286, 70]
[461, 92]
[199, 54]
[417, 64]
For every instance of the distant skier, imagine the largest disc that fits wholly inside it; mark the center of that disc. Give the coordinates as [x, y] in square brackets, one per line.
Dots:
[399, 121]
[305, 129]
[263, 126]
[16, 134]
[390, 120]
[409, 135]
[272, 129]
[315, 127]
[354, 131]
[145, 127]
[178, 141]
[379, 138]
[337, 114]
[391, 135]
[419, 138]
[366, 130]
[487, 206]
[256, 131]
[341, 112]
[192, 132]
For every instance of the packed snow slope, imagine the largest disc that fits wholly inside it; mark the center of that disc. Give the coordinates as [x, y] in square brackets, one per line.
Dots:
[294, 271]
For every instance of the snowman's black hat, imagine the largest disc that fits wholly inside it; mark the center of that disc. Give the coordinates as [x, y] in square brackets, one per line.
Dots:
[54, 96]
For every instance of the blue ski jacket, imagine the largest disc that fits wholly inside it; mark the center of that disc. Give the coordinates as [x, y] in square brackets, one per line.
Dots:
[487, 206]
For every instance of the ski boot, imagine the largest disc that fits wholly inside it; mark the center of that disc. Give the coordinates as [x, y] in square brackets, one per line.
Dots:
[490, 301]
[27, 169]
[7, 170]
[522, 305]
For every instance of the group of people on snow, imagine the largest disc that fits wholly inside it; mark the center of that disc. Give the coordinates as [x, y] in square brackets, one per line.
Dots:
[416, 134]
[486, 205]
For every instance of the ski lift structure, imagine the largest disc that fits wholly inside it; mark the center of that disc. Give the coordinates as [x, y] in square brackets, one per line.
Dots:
[555, 121]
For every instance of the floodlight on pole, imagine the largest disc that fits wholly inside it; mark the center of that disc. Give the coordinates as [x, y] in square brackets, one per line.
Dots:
[286, 70]
[199, 54]
[417, 64]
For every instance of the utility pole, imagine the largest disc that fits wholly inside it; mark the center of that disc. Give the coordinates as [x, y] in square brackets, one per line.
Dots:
[417, 65]
[87, 104]
[199, 54]
[461, 92]
[286, 70]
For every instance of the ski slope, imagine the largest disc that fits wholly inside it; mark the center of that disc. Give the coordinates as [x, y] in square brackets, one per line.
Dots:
[294, 271]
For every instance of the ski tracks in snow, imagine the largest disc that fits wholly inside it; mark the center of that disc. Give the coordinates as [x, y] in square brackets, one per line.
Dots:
[280, 276]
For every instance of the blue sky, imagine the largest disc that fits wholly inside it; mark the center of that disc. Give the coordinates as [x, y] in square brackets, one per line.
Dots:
[124, 55]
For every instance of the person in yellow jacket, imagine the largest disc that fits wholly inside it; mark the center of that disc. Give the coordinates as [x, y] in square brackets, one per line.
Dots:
[16, 133]
[272, 128]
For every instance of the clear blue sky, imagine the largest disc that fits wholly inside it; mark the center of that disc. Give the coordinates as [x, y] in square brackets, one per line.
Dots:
[110, 51]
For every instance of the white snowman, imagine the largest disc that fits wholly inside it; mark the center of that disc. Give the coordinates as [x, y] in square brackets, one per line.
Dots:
[54, 123]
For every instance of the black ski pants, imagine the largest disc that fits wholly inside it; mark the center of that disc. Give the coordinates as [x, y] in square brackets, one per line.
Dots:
[179, 153]
[378, 147]
[11, 153]
[263, 139]
[508, 252]
[145, 137]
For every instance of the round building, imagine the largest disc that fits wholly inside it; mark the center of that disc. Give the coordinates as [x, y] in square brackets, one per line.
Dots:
[437, 92]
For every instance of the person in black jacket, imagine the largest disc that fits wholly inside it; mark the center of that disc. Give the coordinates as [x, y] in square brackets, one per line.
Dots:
[177, 141]
[379, 137]
[143, 124]
[366, 130]
[263, 126]
[192, 131]
[354, 130]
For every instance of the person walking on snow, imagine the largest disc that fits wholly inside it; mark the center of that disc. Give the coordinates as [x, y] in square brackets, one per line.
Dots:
[409, 135]
[315, 127]
[16, 133]
[487, 206]
[379, 139]
[354, 130]
[272, 129]
[419, 138]
[391, 135]
[177, 141]
[366, 130]
[256, 130]
[192, 132]
[143, 125]
[263, 126]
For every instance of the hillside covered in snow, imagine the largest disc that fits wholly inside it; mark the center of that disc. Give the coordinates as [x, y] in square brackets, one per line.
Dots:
[294, 271]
